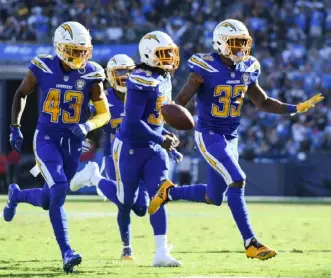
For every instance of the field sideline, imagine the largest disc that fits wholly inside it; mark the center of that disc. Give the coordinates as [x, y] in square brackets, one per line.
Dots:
[205, 239]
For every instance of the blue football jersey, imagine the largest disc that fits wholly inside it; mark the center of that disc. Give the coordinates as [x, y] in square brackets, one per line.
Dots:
[220, 98]
[147, 92]
[64, 96]
[116, 108]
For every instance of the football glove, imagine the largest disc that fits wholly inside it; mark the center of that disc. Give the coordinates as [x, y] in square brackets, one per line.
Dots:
[310, 103]
[86, 146]
[80, 131]
[176, 156]
[16, 138]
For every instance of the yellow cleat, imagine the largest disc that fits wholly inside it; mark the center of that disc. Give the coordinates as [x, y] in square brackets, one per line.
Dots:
[256, 250]
[127, 254]
[161, 196]
[128, 258]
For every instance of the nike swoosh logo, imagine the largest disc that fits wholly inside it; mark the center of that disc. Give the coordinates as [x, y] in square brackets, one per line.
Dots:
[139, 87]
[191, 66]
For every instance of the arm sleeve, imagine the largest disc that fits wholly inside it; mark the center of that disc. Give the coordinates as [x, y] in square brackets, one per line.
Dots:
[102, 115]
[134, 107]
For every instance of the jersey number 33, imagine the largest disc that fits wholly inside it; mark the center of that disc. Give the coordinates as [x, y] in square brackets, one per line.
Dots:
[231, 99]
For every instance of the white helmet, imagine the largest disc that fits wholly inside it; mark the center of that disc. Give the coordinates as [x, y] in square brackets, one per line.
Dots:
[157, 49]
[231, 39]
[72, 42]
[118, 69]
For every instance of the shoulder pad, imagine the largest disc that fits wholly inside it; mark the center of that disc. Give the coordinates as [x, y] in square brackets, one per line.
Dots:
[143, 80]
[201, 63]
[251, 64]
[94, 71]
[39, 62]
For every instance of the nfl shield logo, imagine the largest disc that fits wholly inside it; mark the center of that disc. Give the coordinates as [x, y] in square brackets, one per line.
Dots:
[233, 74]
[66, 78]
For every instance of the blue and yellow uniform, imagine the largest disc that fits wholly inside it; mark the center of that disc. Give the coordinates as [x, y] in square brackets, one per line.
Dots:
[116, 108]
[64, 99]
[219, 103]
[137, 152]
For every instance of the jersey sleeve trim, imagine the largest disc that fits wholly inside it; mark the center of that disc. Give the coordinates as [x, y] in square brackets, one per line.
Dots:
[99, 74]
[144, 81]
[41, 65]
[255, 66]
[197, 61]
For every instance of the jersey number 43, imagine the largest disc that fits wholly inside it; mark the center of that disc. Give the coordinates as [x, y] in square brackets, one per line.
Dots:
[231, 99]
[52, 106]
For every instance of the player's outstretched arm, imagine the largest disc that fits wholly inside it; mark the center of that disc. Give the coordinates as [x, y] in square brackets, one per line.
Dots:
[261, 100]
[27, 86]
[190, 88]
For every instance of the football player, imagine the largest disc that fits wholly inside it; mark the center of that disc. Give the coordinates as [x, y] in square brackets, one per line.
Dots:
[221, 80]
[118, 69]
[139, 147]
[67, 83]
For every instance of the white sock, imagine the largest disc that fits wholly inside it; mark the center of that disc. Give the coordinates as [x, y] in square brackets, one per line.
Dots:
[160, 242]
[248, 241]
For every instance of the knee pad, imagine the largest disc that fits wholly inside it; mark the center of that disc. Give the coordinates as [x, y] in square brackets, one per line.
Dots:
[58, 193]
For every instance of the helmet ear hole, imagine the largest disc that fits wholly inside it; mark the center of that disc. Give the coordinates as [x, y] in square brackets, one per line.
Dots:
[218, 43]
[146, 56]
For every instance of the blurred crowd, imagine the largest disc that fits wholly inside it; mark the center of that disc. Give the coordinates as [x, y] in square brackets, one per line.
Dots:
[292, 40]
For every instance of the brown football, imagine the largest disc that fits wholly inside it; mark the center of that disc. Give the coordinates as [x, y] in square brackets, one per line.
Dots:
[177, 116]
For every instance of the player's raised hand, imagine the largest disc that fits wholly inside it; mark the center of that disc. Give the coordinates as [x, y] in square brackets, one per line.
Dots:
[16, 138]
[80, 131]
[310, 103]
[170, 142]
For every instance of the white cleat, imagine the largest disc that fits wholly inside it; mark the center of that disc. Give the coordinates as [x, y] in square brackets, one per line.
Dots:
[163, 258]
[83, 178]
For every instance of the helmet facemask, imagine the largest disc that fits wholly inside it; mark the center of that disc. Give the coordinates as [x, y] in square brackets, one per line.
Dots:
[75, 56]
[237, 48]
[117, 77]
[167, 57]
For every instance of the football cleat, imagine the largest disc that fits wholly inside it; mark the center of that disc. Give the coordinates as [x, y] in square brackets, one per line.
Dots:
[10, 209]
[127, 254]
[161, 196]
[256, 250]
[83, 178]
[70, 260]
[163, 258]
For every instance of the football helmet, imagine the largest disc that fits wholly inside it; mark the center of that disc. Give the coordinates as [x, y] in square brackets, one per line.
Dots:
[157, 49]
[118, 69]
[72, 42]
[232, 40]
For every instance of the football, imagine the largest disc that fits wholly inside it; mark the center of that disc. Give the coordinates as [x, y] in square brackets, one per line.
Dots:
[177, 116]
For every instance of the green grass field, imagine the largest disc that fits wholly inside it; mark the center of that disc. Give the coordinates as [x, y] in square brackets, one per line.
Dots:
[205, 239]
